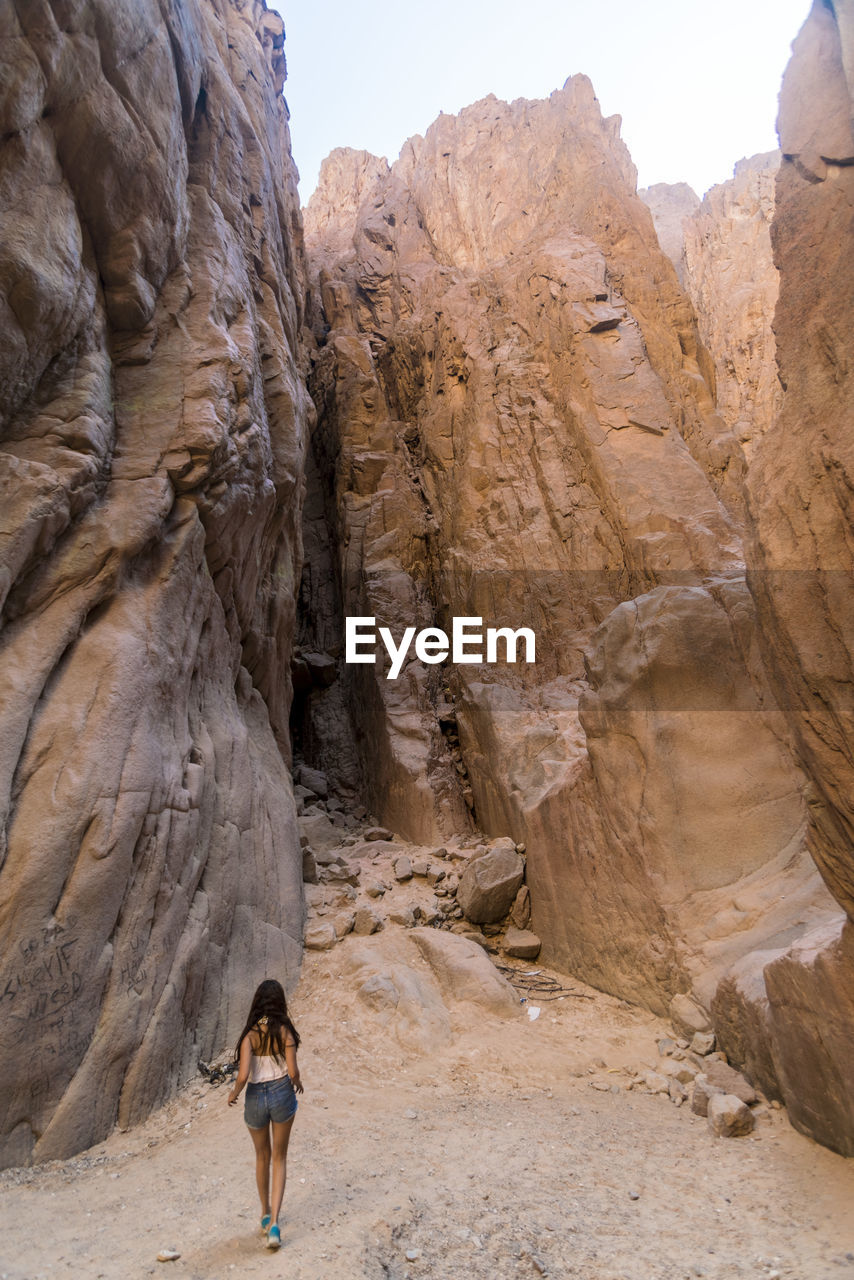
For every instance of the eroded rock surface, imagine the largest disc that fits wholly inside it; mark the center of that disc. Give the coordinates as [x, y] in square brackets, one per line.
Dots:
[732, 280]
[799, 489]
[670, 204]
[153, 426]
[516, 422]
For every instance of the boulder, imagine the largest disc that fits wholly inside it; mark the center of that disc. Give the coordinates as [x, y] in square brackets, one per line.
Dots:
[367, 921]
[703, 1091]
[402, 868]
[344, 922]
[729, 1117]
[521, 944]
[322, 668]
[728, 1080]
[489, 885]
[464, 973]
[320, 936]
[314, 781]
[309, 867]
[688, 1017]
[377, 833]
[403, 916]
[520, 912]
[703, 1042]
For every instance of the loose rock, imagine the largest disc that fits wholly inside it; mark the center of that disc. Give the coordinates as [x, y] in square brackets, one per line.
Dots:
[314, 781]
[729, 1117]
[367, 921]
[729, 1081]
[520, 912]
[521, 943]
[703, 1042]
[320, 936]
[489, 885]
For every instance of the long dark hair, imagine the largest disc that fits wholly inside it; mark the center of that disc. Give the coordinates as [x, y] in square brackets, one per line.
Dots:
[269, 1002]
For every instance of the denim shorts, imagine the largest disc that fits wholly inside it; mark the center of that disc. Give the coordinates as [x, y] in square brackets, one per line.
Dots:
[271, 1100]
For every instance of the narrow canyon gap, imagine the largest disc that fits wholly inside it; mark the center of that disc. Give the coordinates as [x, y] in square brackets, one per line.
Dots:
[481, 387]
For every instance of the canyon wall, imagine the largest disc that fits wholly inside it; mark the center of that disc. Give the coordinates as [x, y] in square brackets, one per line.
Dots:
[721, 248]
[800, 549]
[154, 419]
[517, 423]
[521, 417]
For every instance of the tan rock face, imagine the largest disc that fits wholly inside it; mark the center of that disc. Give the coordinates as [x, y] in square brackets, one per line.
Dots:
[798, 1017]
[800, 481]
[670, 204]
[732, 281]
[514, 424]
[153, 421]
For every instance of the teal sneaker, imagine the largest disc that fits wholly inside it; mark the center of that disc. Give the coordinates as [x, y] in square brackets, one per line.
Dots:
[274, 1237]
[265, 1223]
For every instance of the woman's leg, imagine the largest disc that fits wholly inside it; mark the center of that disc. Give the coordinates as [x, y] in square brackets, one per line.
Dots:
[261, 1143]
[281, 1138]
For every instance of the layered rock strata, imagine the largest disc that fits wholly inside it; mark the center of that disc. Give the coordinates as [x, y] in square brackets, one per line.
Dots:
[153, 427]
[517, 423]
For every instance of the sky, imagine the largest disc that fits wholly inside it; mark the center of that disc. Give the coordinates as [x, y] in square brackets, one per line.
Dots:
[696, 84]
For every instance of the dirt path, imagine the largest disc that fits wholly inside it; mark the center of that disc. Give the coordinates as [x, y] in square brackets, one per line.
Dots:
[489, 1156]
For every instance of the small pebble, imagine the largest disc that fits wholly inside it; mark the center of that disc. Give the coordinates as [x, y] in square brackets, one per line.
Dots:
[168, 1255]
[634, 1195]
[412, 1255]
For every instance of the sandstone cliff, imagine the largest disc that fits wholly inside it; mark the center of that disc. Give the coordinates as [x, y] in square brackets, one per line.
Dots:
[671, 204]
[799, 487]
[153, 427]
[517, 422]
[733, 283]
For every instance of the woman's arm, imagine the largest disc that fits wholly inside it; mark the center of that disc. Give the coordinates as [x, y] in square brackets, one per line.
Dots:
[293, 1069]
[242, 1071]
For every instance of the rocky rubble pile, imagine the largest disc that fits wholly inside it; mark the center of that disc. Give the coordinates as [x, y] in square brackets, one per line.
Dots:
[696, 1072]
[359, 877]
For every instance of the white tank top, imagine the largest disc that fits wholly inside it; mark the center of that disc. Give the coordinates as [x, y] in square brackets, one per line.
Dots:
[264, 1069]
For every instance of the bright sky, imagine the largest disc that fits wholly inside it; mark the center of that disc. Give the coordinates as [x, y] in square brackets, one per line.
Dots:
[696, 84]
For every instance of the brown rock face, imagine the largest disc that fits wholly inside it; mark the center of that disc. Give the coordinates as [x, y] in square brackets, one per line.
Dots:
[800, 483]
[670, 204]
[515, 426]
[732, 281]
[799, 489]
[152, 431]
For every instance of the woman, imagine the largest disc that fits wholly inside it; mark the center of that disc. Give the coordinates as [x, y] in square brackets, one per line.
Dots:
[267, 1058]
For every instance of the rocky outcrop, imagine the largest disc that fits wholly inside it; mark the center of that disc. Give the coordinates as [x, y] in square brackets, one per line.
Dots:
[799, 488]
[153, 427]
[670, 204]
[733, 283]
[516, 423]
[800, 481]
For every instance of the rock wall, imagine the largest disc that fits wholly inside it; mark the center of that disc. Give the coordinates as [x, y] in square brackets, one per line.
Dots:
[516, 422]
[671, 204]
[152, 431]
[800, 544]
[733, 283]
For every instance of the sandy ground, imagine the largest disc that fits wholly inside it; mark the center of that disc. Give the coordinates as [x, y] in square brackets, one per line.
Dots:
[515, 1149]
